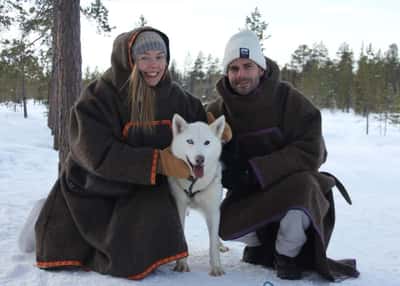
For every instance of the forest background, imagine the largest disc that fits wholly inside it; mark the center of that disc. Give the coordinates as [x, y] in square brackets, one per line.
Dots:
[43, 62]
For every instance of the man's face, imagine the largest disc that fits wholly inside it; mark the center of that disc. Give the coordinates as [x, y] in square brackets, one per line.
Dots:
[244, 75]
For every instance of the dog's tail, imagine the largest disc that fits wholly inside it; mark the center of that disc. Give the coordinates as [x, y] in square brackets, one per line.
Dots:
[26, 238]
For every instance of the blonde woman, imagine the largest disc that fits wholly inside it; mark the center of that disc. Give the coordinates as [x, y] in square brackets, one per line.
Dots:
[111, 211]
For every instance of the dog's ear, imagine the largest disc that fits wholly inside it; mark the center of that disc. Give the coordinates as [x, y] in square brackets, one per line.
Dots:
[178, 124]
[218, 126]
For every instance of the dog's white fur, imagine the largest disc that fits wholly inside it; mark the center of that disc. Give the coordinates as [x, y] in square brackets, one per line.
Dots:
[199, 145]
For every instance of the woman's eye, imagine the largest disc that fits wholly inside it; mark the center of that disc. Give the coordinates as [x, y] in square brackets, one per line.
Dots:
[144, 58]
[207, 142]
[190, 141]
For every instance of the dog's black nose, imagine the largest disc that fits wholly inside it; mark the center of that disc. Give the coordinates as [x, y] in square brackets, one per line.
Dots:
[199, 160]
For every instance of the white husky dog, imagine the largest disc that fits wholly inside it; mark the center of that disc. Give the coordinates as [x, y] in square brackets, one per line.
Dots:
[199, 145]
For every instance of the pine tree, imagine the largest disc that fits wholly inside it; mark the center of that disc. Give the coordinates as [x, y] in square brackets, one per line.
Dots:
[255, 23]
[213, 74]
[70, 75]
[369, 84]
[391, 96]
[197, 76]
[344, 77]
[328, 85]
[392, 69]
[314, 73]
[174, 72]
[300, 58]
[142, 21]
[10, 11]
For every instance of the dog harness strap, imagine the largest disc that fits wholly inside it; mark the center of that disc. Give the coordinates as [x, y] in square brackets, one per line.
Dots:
[190, 192]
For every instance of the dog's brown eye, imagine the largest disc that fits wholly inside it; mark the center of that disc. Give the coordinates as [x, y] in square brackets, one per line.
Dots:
[190, 141]
[206, 142]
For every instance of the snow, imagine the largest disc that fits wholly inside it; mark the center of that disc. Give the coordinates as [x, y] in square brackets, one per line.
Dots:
[369, 231]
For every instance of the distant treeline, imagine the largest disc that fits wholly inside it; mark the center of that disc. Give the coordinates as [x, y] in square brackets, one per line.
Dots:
[369, 84]
[31, 66]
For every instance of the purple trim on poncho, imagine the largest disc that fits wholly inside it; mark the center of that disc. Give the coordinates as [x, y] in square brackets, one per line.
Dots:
[258, 174]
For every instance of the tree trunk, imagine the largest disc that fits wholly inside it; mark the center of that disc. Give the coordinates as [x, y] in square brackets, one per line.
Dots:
[70, 62]
[53, 93]
[24, 90]
[385, 126]
[16, 94]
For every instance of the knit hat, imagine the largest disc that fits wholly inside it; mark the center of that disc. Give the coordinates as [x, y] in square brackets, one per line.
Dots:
[146, 41]
[244, 44]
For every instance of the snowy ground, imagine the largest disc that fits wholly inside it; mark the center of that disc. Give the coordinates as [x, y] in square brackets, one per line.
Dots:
[369, 166]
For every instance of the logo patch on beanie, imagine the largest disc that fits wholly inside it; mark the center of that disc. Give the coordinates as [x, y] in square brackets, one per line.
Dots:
[244, 53]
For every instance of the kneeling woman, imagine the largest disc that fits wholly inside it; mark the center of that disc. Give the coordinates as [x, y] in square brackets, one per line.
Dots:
[111, 211]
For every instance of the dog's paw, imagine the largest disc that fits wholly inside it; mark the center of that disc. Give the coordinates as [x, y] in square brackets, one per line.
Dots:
[223, 248]
[217, 271]
[181, 266]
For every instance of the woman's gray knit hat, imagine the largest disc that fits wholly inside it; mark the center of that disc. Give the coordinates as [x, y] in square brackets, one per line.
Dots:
[244, 44]
[146, 41]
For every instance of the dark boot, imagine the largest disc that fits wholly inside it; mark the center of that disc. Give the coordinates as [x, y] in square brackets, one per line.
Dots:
[254, 255]
[286, 267]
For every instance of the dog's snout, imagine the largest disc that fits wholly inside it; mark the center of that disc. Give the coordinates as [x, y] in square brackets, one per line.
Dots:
[199, 160]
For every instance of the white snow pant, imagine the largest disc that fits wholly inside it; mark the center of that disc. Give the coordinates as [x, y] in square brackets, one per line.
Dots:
[291, 234]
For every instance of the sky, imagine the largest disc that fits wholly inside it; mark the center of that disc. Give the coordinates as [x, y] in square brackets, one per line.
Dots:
[206, 26]
[368, 230]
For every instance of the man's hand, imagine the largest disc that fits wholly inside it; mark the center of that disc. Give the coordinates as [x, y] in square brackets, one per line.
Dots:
[171, 166]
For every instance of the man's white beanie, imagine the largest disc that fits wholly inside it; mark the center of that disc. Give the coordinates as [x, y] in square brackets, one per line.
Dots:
[244, 44]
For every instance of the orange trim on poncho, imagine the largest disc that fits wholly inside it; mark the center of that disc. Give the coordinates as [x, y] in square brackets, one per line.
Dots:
[147, 271]
[130, 124]
[157, 264]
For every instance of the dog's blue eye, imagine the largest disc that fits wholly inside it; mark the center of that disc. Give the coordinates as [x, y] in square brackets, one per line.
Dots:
[190, 141]
[206, 142]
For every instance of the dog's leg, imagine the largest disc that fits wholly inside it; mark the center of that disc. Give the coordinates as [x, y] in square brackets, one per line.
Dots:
[212, 218]
[181, 264]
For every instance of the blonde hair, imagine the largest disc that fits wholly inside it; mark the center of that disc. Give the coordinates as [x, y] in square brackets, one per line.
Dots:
[142, 99]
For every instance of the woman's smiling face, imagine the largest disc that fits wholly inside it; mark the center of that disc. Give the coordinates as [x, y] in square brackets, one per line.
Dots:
[152, 65]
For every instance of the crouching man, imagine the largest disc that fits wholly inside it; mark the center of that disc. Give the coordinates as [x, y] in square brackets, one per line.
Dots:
[278, 203]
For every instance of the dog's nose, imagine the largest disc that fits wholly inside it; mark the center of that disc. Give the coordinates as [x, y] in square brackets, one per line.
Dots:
[199, 160]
